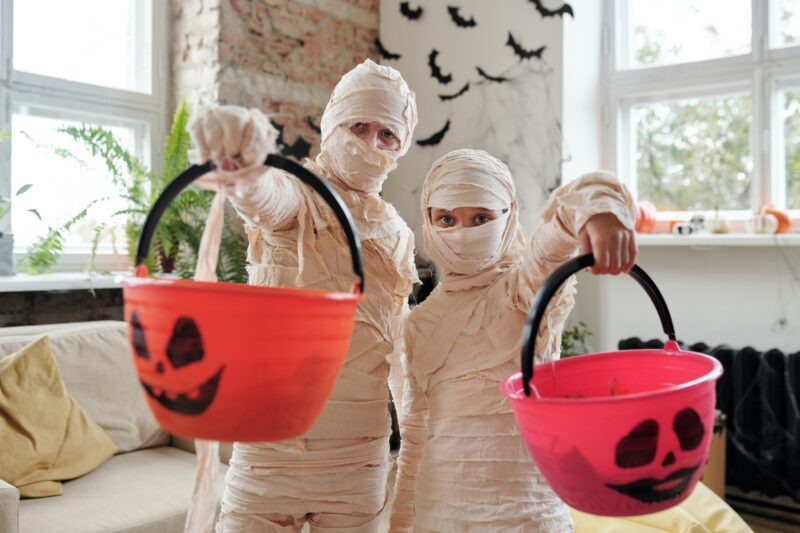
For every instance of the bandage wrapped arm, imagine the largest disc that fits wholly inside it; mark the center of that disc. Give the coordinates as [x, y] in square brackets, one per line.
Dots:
[556, 240]
[413, 418]
[238, 141]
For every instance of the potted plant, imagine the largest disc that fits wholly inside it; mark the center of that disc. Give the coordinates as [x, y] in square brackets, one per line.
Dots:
[6, 238]
[177, 239]
[574, 340]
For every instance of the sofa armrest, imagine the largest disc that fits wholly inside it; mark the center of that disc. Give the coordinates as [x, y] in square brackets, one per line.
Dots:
[9, 508]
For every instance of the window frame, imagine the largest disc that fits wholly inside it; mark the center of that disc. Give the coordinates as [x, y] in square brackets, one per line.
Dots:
[762, 73]
[146, 110]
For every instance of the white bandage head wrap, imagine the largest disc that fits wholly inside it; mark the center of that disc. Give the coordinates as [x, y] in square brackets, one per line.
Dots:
[368, 93]
[471, 178]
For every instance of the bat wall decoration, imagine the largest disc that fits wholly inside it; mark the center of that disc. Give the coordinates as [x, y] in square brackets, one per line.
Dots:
[445, 97]
[313, 126]
[460, 21]
[496, 79]
[299, 149]
[436, 71]
[384, 53]
[436, 138]
[546, 12]
[410, 14]
[523, 53]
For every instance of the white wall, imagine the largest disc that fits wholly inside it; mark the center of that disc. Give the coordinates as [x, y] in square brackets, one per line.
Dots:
[582, 98]
[733, 295]
[517, 121]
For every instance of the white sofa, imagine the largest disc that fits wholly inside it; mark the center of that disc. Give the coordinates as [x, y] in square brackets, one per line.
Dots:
[146, 486]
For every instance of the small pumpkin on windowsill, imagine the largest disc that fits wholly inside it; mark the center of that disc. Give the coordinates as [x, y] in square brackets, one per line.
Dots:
[782, 218]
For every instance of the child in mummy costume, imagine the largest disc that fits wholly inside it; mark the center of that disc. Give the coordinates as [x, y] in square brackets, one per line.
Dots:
[463, 465]
[334, 476]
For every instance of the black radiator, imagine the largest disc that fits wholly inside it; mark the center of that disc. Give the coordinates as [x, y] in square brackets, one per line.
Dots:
[759, 393]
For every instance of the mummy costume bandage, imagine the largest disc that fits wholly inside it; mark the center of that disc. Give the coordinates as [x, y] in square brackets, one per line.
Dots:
[334, 476]
[463, 466]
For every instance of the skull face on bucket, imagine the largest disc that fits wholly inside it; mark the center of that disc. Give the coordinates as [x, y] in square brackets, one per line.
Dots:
[185, 347]
[639, 448]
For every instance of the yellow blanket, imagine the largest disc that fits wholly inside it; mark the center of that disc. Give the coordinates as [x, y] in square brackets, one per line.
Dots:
[702, 512]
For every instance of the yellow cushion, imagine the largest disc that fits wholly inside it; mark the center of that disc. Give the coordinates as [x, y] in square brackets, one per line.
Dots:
[702, 512]
[45, 436]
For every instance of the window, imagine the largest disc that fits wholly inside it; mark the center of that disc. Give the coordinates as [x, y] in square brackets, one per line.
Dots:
[92, 62]
[703, 102]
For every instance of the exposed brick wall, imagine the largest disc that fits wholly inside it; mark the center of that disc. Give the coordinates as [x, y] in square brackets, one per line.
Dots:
[195, 51]
[55, 307]
[282, 56]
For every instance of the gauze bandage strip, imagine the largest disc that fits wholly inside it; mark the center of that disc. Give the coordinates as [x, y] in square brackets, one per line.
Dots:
[361, 167]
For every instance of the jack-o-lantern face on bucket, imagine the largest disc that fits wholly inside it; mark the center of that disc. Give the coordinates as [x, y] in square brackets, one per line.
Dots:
[184, 348]
[640, 448]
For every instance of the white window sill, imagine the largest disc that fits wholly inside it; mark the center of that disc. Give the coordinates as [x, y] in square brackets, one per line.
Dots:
[60, 281]
[706, 240]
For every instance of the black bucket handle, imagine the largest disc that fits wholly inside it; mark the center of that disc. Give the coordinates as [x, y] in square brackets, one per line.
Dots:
[303, 174]
[549, 289]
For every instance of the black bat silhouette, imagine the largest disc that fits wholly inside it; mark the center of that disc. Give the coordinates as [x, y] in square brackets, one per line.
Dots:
[545, 12]
[445, 97]
[460, 21]
[521, 52]
[299, 149]
[436, 138]
[498, 79]
[436, 72]
[410, 14]
[385, 54]
[311, 124]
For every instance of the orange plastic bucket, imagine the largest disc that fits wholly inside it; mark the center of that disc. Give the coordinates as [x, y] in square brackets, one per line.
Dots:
[232, 362]
[618, 433]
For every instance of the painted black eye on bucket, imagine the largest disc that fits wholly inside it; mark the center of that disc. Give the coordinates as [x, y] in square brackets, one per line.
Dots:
[689, 428]
[185, 345]
[638, 448]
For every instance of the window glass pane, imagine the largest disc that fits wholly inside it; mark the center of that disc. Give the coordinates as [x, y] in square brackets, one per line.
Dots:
[101, 42]
[664, 32]
[65, 178]
[788, 23]
[694, 154]
[791, 124]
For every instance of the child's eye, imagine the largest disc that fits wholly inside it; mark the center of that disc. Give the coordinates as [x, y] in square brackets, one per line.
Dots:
[447, 219]
[482, 219]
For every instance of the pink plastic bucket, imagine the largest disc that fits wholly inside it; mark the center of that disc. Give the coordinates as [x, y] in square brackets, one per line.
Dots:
[617, 433]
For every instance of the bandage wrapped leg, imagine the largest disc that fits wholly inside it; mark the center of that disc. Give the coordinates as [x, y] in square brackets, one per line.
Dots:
[342, 492]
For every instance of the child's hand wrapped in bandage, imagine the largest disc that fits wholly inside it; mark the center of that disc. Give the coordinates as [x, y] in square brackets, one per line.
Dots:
[237, 141]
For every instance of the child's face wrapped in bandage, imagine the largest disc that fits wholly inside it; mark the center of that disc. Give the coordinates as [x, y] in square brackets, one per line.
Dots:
[367, 125]
[471, 212]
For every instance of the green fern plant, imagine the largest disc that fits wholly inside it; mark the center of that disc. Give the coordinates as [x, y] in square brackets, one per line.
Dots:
[177, 238]
[574, 340]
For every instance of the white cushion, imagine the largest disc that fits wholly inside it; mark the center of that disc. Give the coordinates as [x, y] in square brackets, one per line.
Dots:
[143, 491]
[96, 364]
